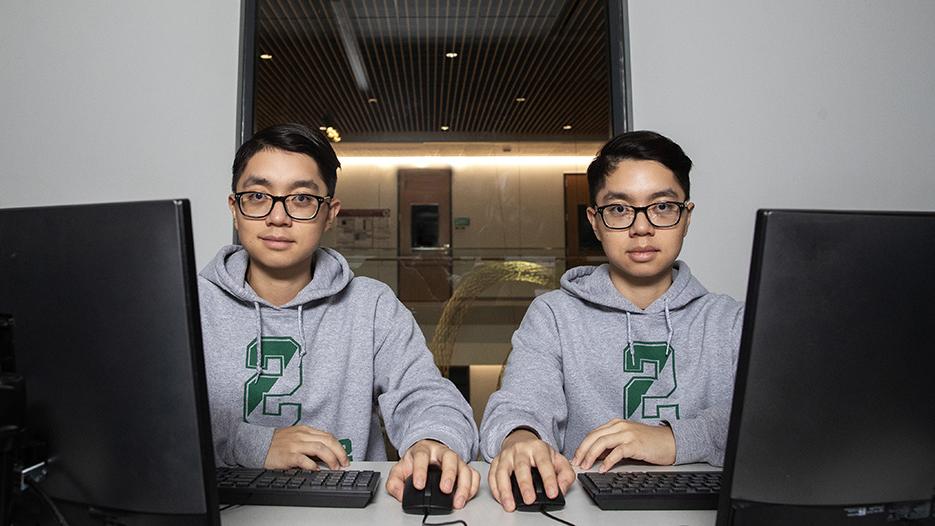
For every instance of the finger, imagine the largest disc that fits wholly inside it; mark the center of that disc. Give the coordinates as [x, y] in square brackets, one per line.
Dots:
[336, 448]
[613, 457]
[310, 434]
[322, 451]
[463, 493]
[450, 471]
[597, 449]
[420, 466]
[523, 472]
[506, 490]
[601, 446]
[303, 462]
[395, 480]
[566, 474]
[587, 444]
[547, 472]
[475, 482]
[492, 478]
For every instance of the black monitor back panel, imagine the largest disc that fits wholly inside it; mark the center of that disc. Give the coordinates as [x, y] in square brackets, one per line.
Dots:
[108, 340]
[835, 403]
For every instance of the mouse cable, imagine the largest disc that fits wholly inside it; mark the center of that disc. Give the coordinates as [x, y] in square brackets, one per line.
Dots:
[46, 500]
[441, 523]
[554, 518]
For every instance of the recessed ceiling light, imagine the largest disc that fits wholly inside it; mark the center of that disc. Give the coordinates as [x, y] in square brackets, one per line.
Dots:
[372, 100]
[322, 128]
[566, 127]
[444, 128]
[266, 56]
[520, 99]
[451, 54]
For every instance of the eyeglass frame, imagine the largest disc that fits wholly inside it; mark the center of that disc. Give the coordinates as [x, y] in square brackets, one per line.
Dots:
[681, 205]
[281, 198]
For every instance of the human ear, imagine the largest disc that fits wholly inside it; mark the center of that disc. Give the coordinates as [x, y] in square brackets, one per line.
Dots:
[334, 208]
[689, 206]
[232, 204]
[594, 220]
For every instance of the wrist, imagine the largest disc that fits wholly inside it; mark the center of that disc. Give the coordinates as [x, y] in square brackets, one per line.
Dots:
[518, 435]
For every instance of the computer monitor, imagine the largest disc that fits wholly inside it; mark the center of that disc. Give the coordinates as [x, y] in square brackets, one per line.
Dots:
[107, 338]
[833, 419]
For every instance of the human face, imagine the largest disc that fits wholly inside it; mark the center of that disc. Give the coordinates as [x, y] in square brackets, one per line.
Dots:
[642, 254]
[277, 244]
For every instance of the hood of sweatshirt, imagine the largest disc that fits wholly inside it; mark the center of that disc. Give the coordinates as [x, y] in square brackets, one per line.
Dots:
[593, 285]
[228, 270]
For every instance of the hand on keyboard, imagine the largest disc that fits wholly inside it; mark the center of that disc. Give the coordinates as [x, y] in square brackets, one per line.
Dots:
[294, 447]
[457, 476]
[620, 439]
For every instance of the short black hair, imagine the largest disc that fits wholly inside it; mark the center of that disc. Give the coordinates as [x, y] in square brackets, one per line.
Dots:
[639, 146]
[294, 138]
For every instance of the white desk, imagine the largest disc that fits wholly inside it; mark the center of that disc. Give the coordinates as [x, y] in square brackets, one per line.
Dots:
[482, 510]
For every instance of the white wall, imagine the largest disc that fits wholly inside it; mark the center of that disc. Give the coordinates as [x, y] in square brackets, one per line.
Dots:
[117, 101]
[780, 104]
[797, 104]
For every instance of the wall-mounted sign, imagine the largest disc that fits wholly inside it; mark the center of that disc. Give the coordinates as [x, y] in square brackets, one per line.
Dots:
[363, 228]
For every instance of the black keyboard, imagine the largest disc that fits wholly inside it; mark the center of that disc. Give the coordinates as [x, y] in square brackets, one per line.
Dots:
[653, 490]
[295, 487]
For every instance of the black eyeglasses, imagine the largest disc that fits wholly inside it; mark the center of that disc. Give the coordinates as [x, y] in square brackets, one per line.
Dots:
[622, 217]
[301, 207]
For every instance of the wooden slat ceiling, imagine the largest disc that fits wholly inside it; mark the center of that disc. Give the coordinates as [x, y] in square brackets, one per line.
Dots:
[377, 69]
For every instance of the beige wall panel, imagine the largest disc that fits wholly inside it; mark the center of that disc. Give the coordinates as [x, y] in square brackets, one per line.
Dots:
[542, 205]
[489, 196]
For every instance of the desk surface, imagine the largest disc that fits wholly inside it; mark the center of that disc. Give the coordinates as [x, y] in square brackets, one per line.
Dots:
[482, 510]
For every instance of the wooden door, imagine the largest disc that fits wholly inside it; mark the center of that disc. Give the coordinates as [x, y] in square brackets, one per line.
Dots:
[424, 234]
[581, 245]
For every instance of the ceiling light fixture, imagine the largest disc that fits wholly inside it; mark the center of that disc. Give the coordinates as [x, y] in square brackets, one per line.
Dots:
[372, 100]
[332, 134]
[520, 99]
[266, 56]
[566, 127]
[451, 54]
[444, 127]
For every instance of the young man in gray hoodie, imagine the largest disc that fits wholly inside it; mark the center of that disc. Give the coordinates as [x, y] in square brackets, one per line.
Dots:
[302, 357]
[633, 359]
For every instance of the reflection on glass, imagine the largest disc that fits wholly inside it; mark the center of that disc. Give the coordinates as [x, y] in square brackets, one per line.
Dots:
[505, 97]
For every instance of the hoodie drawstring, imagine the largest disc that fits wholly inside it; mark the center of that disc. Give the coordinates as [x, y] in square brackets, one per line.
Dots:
[630, 339]
[668, 326]
[259, 338]
[301, 335]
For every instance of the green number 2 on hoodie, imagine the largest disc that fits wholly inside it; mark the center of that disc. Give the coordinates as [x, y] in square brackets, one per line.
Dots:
[266, 392]
[649, 360]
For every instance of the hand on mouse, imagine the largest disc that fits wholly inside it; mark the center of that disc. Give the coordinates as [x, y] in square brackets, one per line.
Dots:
[294, 447]
[521, 450]
[454, 471]
[626, 439]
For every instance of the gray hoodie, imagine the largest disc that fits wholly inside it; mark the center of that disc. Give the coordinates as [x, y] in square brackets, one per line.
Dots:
[343, 349]
[584, 355]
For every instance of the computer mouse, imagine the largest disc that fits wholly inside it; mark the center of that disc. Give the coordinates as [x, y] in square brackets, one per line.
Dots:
[430, 500]
[542, 502]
